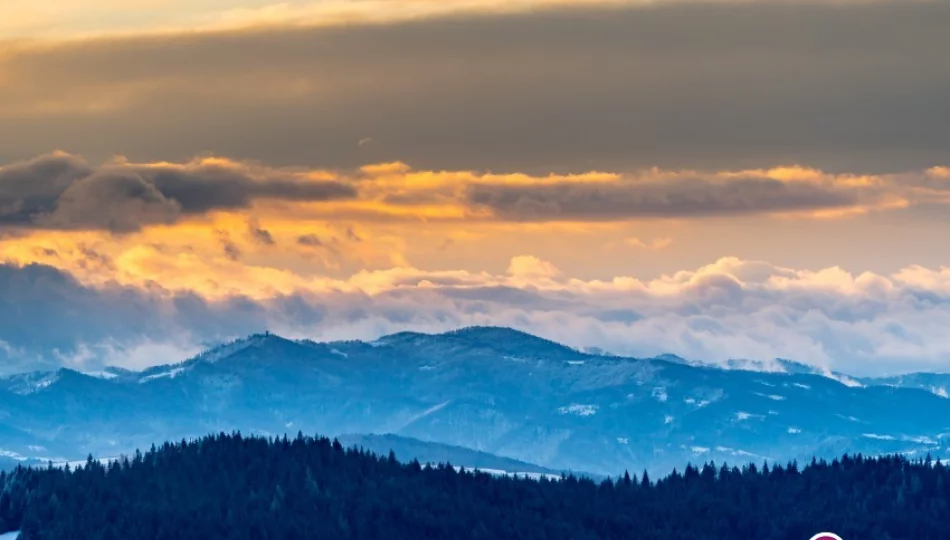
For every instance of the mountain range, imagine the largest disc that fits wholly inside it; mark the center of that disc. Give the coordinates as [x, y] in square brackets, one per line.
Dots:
[485, 397]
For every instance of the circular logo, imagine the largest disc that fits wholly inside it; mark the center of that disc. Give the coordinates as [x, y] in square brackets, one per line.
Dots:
[826, 536]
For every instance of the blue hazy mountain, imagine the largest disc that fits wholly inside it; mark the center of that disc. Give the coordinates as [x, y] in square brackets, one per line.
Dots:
[937, 383]
[492, 390]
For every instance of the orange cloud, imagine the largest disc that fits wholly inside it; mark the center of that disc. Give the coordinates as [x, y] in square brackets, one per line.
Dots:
[397, 216]
[395, 192]
[59, 19]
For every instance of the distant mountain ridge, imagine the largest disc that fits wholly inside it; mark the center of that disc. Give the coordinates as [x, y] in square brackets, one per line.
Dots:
[407, 449]
[490, 389]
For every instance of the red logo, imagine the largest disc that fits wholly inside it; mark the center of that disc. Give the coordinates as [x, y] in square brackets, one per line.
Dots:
[826, 536]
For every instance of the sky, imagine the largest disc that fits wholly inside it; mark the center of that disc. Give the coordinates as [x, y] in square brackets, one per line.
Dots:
[717, 179]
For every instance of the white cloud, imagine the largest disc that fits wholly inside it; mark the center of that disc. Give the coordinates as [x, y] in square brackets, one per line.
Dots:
[860, 324]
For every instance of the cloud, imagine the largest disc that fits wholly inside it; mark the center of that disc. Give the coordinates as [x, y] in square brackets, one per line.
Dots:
[309, 240]
[789, 191]
[865, 323]
[706, 85]
[60, 19]
[61, 191]
[351, 234]
[446, 244]
[46, 317]
[634, 242]
[680, 198]
[230, 249]
[56, 19]
[260, 234]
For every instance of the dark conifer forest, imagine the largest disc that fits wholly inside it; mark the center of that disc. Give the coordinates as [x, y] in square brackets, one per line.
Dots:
[234, 487]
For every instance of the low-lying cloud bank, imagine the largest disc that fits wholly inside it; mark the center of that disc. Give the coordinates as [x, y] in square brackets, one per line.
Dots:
[863, 324]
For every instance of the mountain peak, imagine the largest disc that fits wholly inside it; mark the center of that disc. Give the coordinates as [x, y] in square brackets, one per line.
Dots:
[672, 358]
[498, 339]
[496, 332]
[226, 349]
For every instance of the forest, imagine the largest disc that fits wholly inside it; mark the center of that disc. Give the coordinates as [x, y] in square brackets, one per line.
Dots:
[235, 487]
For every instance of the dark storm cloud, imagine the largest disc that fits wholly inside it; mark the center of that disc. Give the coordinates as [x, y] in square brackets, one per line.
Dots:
[61, 191]
[33, 187]
[591, 201]
[214, 188]
[842, 86]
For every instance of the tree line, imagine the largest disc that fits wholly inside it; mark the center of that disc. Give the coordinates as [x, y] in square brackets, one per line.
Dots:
[235, 487]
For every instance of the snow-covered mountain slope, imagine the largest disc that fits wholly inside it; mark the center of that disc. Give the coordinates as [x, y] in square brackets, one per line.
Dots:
[489, 389]
[936, 383]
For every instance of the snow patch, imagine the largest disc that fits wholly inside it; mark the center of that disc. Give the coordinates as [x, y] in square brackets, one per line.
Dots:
[803, 386]
[689, 400]
[227, 349]
[735, 452]
[920, 440]
[742, 415]
[848, 381]
[575, 362]
[170, 374]
[623, 440]
[941, 391]
[660, 394]
[10, 535]
[427, 412]
[794, 430]
[339, 353]
[579, 409]
[878, 437]
[33, 383]
[699, 449]
[841, 378]
[12, 455]
[765, 366]
[668, 419]
[100, 374]
[773, 397]
[499, 472]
